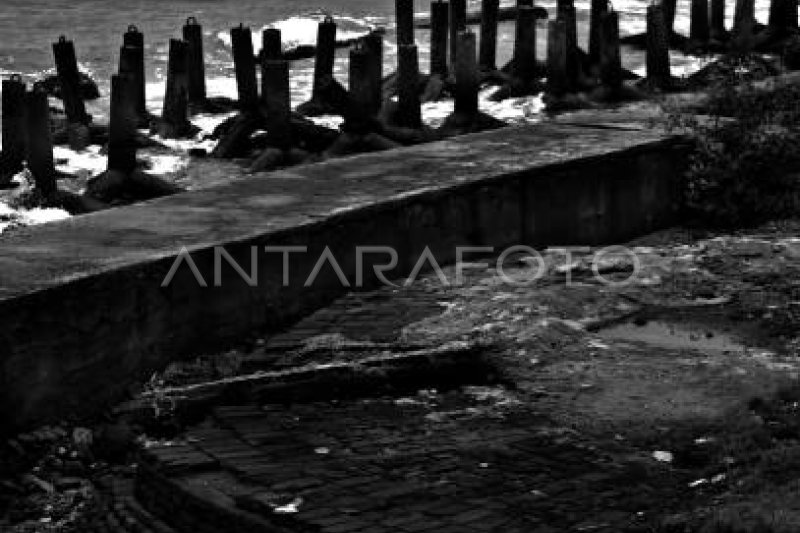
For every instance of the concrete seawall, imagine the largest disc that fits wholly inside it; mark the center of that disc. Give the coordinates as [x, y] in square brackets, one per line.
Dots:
[85, 311]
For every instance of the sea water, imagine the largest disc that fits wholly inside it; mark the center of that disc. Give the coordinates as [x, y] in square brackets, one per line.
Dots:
[29, 27]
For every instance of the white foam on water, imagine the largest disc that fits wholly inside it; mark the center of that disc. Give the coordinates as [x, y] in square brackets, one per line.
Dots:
[302, 30]
[11, 217]
[42, 215]
[160, 164]
[207, 123]
[512, 110]
[89, 161]
[29, 217]
[680, 65]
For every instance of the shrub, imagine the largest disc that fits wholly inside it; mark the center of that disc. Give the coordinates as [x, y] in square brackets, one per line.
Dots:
[745, 168]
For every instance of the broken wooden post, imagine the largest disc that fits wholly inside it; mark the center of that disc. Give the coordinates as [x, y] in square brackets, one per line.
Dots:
[409, 113]
[525, 44]
[558, 80]
[440, 21]
[458, 24]
[40, 142]
[122, 125]
[271, 44]
[699, 26]
[404, 19]
[717, 24]
[488, 46]
[176, 98]
[70, 81]
[373, 44]
[14, 135]
[597, 10]
[193, 35]
[657, 55]
[277, 98]
[466, 74]
[610, 59]
[135, 39]
[245, 67]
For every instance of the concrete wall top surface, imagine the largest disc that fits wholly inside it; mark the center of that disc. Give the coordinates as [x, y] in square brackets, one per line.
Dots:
[40, 257]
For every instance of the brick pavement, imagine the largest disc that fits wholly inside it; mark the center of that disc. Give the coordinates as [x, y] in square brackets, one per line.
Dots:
[473, 459]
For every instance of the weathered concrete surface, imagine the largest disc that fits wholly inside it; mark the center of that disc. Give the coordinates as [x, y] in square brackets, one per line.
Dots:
[84, 312]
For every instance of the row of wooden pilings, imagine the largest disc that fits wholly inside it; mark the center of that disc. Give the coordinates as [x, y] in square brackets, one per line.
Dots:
[455, 59]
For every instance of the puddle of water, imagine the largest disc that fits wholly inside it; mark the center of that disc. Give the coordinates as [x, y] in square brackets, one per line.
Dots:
[675, 336]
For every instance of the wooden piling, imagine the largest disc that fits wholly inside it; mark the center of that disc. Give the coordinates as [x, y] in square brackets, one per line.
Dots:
[13, 127]
[409, 113]
[362, 78]
[277, 98]
[440, 22]
[404, 20]
[668, 12]
[467, 75]
[135, 39]
[717, 30]
[458, 24]
[69, 79]
[130, 59]
[657, 55]
[488, 43]
[373, 44]
[597, 10]
[525, 44]
[176, 98]
[326, 50]
[699, 24]
[122, 125]
[565, 11]
[610, 59]
[783, 16]
[271, 44]
[40, 142]
[744, 16]
[245, 67]
[558, 81]
[193, 35]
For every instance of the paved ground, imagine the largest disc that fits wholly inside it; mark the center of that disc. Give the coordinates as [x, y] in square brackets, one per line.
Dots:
[587, 390]
[645, 407]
